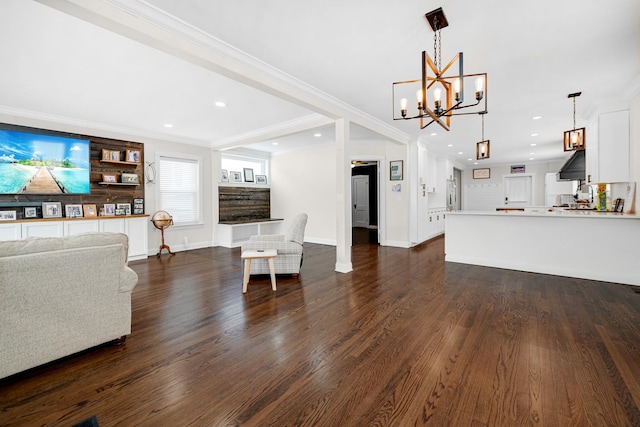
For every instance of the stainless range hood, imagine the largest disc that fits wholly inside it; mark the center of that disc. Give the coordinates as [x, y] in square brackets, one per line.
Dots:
[574, 168]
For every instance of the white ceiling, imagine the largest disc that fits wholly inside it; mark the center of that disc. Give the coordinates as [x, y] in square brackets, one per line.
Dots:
[287, 69]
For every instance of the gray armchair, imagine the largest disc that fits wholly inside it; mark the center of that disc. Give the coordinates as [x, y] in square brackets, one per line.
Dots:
[289, 247]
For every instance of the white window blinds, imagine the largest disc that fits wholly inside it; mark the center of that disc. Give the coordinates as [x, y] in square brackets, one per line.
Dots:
[179, 188]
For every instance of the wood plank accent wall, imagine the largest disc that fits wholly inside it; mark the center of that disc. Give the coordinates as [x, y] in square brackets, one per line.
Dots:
[100, 193]
[238, 204]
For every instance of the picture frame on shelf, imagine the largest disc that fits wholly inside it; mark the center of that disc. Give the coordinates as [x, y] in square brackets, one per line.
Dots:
[395, 170]
[482, 173]
[235, 176]
[124, 206]
[129, 178]
[138, 206]
[109, 178]
[261, 179]
[73, 211]
[89, 210]
[114, 156]
[109, 209]
[106, 154]
[51, 210]
[133, 156]
[8, 215]
[30, 212]
[248, 174]
[120, 212]
[224, 175]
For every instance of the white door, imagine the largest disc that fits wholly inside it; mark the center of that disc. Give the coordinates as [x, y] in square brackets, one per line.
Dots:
[360, 200]
[518, 191]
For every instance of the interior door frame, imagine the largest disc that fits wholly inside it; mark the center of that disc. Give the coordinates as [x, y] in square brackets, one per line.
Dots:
[382, 201]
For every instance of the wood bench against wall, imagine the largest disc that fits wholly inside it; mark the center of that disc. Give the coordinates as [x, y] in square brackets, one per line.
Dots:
[244, 212]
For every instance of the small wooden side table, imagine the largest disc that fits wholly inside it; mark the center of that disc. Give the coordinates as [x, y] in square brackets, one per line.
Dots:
[247, 256]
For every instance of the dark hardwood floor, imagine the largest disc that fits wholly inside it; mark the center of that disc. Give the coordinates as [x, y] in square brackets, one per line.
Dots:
[405, 339]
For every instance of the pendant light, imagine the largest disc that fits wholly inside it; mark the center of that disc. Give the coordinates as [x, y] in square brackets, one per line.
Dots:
[482, 147]
[574, 139]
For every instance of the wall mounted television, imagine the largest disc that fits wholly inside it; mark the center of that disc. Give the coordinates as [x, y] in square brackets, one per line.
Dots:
[43, 162]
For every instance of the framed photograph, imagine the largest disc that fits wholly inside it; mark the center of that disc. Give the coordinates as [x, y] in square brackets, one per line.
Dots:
[224, 175]
[129, 178]
[115, 156]
[138, 206]
[8, 215]
[248, 174]
[517, 169]
[51, 210]
[31, 212]
[109, 209]
[261, 179]
[134, 156]
[90, 210]
[120, 212]
[483, 173]
[395, 170]
[106, 154]
[109, 178]
[126, 207]
[236, 176]
[73, 211]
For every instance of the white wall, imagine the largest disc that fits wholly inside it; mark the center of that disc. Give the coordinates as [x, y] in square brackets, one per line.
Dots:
[634, 115]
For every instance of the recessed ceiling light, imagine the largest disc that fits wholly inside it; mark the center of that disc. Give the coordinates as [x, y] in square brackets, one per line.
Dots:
[450, 145]
[220, 104]
[433, 134]
[533, 145]
[168, 125]
[317, 135]
[475, 163]
[534, 134]
[531, 154]
[536, 118]
[459, 152]
[274, 143]
[531, 158]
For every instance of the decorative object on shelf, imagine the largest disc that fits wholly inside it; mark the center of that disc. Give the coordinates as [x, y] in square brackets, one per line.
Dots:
[51, 210]
[483, 149]
[114, 156]
[261, 179]
[574, 139]
[106, 155]
[138, 206]
[89, 210]
[162, 220]
[236, 176]
[109, 178]
[517, 169]
[447, 92]
[31, 212]
[109, 209]
[133, 156]
[395, 170]
[150, 173]
[8, 215]
[248, 174]
[124, 206]
[224, 175]
[129, 178]
[73, 211]
[483, 173]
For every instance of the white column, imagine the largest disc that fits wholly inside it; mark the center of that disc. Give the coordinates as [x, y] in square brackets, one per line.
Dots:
[343, 194]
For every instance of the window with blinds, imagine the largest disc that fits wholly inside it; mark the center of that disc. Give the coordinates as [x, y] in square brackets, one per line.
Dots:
[179, 187]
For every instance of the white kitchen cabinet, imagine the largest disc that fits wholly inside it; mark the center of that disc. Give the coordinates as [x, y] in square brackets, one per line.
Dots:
[42, 229]
[612, 148]
[80, 226]
[112, 225]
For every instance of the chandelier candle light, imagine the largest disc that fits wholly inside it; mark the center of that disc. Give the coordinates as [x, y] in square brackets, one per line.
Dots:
[482, 147]
[446, 92]
[574, 139]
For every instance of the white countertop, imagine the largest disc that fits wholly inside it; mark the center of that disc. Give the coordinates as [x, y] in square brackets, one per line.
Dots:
[551, 213]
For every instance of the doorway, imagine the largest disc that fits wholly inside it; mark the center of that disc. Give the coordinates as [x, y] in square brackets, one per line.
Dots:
[364, 202]
[518, 190]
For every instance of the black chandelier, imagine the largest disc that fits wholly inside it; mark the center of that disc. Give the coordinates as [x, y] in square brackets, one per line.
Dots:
[446, 93]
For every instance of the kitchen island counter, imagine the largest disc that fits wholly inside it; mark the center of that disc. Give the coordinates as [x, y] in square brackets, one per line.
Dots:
[584, 244]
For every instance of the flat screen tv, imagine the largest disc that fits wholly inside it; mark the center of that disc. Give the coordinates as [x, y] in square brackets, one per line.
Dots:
[34, 161]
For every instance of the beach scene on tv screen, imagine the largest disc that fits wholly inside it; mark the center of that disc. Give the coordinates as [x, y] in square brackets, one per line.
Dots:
[32, 163]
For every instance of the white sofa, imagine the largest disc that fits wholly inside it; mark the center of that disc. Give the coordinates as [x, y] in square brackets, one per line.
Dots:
[288, 246]
[62, 295]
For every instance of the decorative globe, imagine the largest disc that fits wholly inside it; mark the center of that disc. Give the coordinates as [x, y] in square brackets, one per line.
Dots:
[161, 220]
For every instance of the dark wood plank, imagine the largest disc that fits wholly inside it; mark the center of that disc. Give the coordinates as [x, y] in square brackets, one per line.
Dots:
[404, 339]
